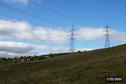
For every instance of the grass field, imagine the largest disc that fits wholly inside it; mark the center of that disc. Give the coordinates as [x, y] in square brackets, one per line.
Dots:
[92, 67]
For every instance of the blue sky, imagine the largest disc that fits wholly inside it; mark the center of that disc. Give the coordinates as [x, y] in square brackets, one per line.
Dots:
[88, 17]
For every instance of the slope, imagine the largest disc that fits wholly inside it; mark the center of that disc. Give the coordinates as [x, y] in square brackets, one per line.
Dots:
[92, 67]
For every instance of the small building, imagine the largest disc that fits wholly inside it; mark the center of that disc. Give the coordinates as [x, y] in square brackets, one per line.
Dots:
[47, 56]
[22, 60]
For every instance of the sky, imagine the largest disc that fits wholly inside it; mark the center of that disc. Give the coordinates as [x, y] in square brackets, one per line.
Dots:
[34, 27]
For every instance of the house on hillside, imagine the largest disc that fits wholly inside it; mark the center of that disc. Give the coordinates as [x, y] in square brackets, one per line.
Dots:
[22, 60]
[47, 56]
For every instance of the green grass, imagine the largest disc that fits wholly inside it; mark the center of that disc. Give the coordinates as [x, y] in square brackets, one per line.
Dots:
[90, 67]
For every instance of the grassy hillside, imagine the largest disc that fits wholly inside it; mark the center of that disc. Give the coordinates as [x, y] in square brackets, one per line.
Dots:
[90, 67]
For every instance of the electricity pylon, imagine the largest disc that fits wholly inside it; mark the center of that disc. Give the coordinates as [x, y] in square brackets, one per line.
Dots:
[107, 39]
[72, 38]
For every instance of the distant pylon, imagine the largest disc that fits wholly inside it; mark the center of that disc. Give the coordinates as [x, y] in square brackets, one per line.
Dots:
[72, 46]
[107, 39]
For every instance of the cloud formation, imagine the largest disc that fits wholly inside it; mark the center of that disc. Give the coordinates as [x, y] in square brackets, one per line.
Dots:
[50, 35]
[15, 30]
[23, 31]
[96, 34]
[12, 49]
[118, 36]
[20, 30]
[90, 34]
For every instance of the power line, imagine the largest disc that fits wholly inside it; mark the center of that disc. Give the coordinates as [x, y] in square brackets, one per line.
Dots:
[55, 12]
[56, 5]
[14, 19]
[25, 13]
[107, 39]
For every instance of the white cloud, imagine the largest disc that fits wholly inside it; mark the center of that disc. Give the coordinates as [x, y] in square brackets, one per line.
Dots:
[84, 49]
[18, 1]
[96, 34]
[15, 30]
[50, 35]
[89, 34]
[20, 30]
[118, 36]
[23, 31]
[12, 49]
[16, 47]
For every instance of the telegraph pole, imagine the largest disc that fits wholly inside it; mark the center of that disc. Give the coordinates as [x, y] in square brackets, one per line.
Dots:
[72, 46]
[107, 40]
